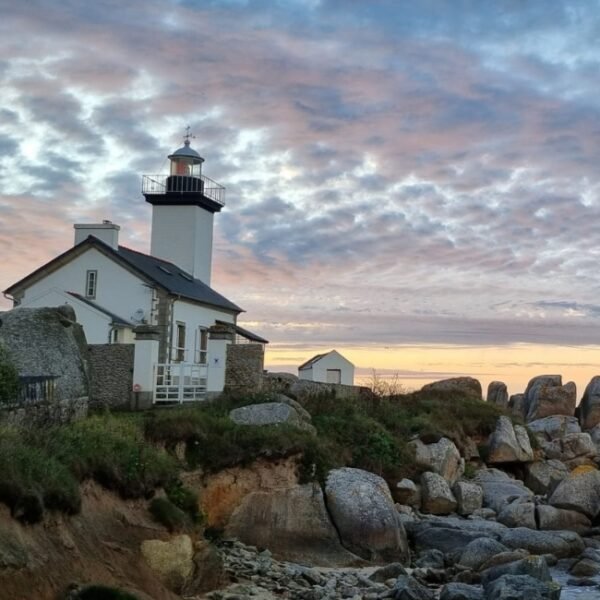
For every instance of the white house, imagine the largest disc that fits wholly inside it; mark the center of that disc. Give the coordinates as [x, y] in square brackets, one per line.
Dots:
[330, 367]
[115, 290]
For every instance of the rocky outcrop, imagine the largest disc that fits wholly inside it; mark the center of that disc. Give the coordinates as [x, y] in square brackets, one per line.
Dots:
[554, 427]
[272, 413]
[555, 519]
[436, 496]
[408, 493]
[579, 491]
[362, 509]
[589, 407]
[574, 449]
[517, 406]
[509, 444]
[518, 514]
[172, 560]
[466, 387]
[497, 394]
[543, 476]
[48, 341]
[499, 489]
[510, 587]
[292, 523]
[442, 458]
[469, 497]
[562, 544]
[546, 396]
[478, 552]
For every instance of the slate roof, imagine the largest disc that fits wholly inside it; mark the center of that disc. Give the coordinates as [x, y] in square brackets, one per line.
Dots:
[115, 318]
[161, 272]
[175, 280]
[244, 332]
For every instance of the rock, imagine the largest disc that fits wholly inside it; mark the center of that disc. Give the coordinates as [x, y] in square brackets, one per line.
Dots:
[269, 413]
[446, 460]
[484, 513]
[293, 523]
[460, 591]
[437, 498]
[480, 550]
[172, 560]
[497, 394]
[579, 491]
[408, 588]
[467, 387]
[517, 406]
[390, 571]
[362, 509]
[518, 514]
[509, 444]
[469, 497]
[430, 559]
[562, 544]
[408, 493]
[534, 566]
[499, 489]
[589, 407]
[503, 558]
[555, 426]
[585, 568]
[48, 341]
[208, 569]
[551, 518]
[535, 384]
[576, 445]
[521, 587]
[546, 398]
[542, 477]
[13, 552]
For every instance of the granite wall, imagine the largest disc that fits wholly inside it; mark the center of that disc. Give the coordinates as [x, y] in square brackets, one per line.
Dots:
[244, 367]
[111, 375]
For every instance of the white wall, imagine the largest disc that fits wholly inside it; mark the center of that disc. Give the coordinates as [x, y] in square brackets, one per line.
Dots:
[333, 360]
[117, 290]
[183, 235]
[195, 316]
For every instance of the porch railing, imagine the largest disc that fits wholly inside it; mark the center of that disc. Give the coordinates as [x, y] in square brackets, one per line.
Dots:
[179, 382]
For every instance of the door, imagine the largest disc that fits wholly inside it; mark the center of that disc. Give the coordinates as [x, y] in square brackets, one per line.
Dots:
[334, 376]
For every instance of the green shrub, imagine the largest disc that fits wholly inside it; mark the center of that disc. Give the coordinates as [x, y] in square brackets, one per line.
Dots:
[31, 480]
[102, 592]
[168, 515]
[112, 451]
[184, 499]
[9, 379]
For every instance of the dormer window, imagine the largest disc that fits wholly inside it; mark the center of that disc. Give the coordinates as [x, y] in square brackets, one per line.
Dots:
[91, 283]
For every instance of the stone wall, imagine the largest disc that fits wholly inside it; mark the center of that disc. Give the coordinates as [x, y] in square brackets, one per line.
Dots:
[45, 414]
[111, 374]
[287, 383]
[244, 367]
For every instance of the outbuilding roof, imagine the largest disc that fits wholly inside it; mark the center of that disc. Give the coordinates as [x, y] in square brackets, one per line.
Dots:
[309, 363]
[116, 319]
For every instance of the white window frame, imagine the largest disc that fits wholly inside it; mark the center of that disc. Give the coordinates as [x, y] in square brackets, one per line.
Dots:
[180, 331]
[201, 346]
[91, 283]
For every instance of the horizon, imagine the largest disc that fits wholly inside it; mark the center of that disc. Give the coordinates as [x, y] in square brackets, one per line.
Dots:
[413, 185]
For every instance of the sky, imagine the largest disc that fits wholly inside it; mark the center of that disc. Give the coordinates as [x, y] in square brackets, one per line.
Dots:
[415, 184]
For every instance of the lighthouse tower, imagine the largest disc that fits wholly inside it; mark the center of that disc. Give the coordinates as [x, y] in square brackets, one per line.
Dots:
[183, 206]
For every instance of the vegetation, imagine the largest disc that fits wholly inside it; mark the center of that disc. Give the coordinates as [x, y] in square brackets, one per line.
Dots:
[133, 454]
[103, 592]
[9, 379]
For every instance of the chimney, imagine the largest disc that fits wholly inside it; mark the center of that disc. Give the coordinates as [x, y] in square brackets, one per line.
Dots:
[106, 232]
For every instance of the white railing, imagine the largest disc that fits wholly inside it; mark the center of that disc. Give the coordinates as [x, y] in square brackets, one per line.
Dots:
[179, 382]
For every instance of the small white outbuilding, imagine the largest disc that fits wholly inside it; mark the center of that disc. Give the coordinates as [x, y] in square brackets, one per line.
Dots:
[330, 367]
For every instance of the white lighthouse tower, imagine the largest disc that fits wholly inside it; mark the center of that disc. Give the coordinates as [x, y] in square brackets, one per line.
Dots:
[183, 206]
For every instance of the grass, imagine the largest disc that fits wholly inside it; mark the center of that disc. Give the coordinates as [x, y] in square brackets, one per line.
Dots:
[169, 515]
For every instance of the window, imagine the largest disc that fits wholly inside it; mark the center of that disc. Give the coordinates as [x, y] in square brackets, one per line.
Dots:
[180, 342]
[91, 282]
[201, 346]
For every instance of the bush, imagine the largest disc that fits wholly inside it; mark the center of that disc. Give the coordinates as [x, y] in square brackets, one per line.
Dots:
[9, 379]
[102, 592]
[168, 515]
[112, 451]
[30, 480]
[184, 499]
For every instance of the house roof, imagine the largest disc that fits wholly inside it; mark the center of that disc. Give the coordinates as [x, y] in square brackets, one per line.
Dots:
[163, 273]
[116, 319]
[309, 363]
[244, 332]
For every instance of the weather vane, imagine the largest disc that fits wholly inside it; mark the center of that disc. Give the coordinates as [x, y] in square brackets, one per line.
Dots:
[188, 135]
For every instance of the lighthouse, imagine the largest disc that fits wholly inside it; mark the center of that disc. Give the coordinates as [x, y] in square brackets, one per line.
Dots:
[184, 202]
